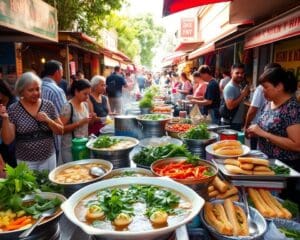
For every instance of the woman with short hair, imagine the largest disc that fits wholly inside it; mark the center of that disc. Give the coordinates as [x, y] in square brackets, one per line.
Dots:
[32, 121]
[278, 126]
[99, 103]
[75, 116]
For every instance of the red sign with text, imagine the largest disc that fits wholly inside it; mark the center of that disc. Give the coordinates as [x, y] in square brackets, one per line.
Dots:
[285, 27]
[187, 28]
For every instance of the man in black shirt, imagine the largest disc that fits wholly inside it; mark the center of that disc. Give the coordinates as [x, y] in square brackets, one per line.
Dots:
[114, 84]
[211, 101]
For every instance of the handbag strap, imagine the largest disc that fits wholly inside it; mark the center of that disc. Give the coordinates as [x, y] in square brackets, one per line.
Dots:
[71, 118]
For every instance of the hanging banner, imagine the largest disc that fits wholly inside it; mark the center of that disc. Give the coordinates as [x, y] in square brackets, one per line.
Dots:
[34, 17]
[282, 28]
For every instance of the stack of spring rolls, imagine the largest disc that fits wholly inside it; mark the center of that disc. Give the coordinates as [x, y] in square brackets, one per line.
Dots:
[228, 219]
[267, 205]
[220, 189]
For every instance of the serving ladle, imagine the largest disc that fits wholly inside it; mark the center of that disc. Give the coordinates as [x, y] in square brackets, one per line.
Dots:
[45, 214]
[253, 229]
[97, 171]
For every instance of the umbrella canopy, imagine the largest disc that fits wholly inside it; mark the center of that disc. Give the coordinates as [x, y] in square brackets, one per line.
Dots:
[173, 6]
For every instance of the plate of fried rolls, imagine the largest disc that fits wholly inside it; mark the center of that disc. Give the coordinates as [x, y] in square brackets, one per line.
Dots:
[226, 219]
[227, 148]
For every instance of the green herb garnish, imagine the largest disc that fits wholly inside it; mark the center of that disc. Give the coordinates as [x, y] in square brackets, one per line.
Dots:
[199, 132]
[105, 142]
[280, 170]
[154, 117]
[290, 233]
[292, 207]
[41, 205]
[150, 154]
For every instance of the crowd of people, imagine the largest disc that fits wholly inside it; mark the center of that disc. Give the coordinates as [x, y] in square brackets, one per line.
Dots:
[40, 121]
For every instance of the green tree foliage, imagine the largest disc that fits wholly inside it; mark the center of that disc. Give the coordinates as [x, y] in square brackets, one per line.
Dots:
[136, 36]
[149, 35]
[83, 13]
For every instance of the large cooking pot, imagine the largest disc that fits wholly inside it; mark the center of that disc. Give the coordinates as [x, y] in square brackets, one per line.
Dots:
[45, 230]
[196, 204]
[127, 125]
[152, 128]
[119, 158]
[70, 188]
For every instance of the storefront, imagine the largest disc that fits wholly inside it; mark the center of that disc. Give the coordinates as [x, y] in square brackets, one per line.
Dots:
[278, 40]
[40, 26]
[213, 27]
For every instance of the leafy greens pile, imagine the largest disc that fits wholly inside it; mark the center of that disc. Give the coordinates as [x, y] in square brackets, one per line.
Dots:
[105, 142]
[280, 170]
[118, 200]
[21, 181]
[148, 155]
[199, 132]
[154, 117]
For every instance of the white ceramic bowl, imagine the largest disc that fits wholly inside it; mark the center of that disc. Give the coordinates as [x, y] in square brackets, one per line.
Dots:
[69, 206]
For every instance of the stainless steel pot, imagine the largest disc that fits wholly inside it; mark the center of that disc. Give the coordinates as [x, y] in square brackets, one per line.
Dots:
[197, 146]
[127, 125]
[70, 188]
[152, 128]
[119, 158]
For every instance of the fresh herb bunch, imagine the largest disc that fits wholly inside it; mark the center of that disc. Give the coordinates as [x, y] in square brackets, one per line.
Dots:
[292, 207]
[105, 142]
[45, 185]
[146, 102]
[150, 154]
[41, 205]
[199, 132]
[290, 233]
[19, 182]
[281, 170]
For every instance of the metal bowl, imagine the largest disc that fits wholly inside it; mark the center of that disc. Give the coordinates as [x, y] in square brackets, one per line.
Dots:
[256, 217]
[123, 172]
[197, 146]
[165, 161]
[70, 188]
[45, 226]
[196, 204]
[198, 185]
[159, 141]
[119, 157]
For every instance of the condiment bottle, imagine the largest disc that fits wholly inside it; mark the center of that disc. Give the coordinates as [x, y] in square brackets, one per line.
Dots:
[79, 149]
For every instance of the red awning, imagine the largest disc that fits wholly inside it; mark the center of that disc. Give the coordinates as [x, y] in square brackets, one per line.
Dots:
[202, 50]
[173, 6]
[187, 46]
[172, 58]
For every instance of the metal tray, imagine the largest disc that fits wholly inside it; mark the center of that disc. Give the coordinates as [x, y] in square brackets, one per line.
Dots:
[293, 173]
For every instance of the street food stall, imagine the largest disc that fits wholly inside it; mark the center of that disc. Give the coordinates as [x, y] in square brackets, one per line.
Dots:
[178, 180]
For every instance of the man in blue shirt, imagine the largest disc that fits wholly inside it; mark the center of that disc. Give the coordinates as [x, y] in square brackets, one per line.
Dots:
[211, 101]
[114, 84]
[234, 96]
[52, 76]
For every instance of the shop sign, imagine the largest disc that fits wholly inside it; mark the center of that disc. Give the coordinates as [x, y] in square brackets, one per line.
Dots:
[187, 28]
[282, 28]
[34, 17]
[287, 54]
